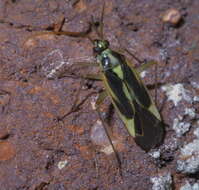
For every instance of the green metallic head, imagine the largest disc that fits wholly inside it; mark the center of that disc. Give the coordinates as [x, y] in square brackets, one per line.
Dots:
[100, 46]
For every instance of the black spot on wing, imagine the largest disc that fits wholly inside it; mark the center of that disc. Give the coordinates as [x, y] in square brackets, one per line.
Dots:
[116, 85]
[138, 89]
[149, 130]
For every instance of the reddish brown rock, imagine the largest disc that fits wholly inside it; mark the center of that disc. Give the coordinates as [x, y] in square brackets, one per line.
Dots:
[7, 151]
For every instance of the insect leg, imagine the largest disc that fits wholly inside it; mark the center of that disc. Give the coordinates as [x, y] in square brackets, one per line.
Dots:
[87, 76]
[100, 99]
[84, 65]
[92, 77]
[134, 57]
[145, 66]
[72, 72]
[76, 106]
[77, 66]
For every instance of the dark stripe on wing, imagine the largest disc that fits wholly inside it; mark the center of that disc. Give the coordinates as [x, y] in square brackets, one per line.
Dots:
[149, 130]
[116, 85]
[137, 87]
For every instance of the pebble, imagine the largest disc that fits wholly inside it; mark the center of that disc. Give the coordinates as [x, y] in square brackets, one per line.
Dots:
[172, 16]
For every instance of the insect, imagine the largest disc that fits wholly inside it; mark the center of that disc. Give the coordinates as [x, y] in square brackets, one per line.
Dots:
[129, 96]
[127, 92]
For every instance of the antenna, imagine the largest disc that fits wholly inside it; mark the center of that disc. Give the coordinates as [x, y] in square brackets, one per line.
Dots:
[101, 22]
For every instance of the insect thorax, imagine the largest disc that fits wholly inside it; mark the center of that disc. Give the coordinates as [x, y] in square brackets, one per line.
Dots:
[108, 59]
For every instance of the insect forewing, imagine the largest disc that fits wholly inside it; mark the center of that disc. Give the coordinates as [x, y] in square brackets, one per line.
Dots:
[133, 103]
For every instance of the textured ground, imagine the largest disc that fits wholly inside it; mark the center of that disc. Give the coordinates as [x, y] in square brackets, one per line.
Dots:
[37, 152]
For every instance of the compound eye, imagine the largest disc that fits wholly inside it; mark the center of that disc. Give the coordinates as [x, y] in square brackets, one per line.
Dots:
[106, 43]
[96, 49]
